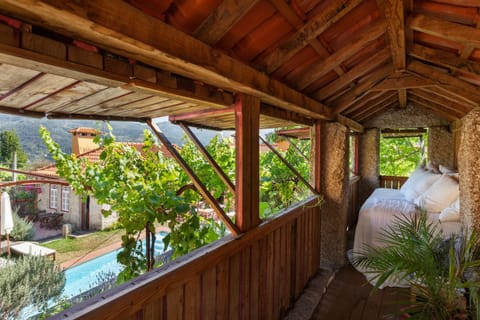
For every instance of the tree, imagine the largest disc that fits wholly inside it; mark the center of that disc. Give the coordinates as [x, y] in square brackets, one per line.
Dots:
[400, 156]
[10, 143]
[141, 186]
[30, 281]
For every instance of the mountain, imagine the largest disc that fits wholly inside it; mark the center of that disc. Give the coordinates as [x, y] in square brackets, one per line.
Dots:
[27, 130]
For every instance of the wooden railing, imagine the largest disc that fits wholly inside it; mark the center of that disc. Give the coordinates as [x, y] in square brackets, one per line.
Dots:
[392, 182]
[257, 276]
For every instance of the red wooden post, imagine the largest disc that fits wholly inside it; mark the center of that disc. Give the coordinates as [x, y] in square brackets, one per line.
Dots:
[247, 125]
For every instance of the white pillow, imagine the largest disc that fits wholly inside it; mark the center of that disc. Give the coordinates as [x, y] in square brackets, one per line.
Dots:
[432, 168]
[415, 175]
[420, 185]
[451, 213]
[440, 195]
[444, 169]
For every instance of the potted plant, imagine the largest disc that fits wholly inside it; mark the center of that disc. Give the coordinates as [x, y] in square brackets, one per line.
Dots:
[443, 274]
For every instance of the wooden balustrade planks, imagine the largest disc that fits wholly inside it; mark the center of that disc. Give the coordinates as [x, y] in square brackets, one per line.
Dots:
[208, 299]
[256, 276]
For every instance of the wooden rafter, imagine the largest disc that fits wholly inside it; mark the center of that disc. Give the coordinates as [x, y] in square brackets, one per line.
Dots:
[453, 106]
[374, 106]
[221, 20]
[307, 33]
[424, 104]
[356, 72]
[221, 174]
[378, 111]
[196, 182]
[373, 98]
[445, 112]
[451, 83]
[349, 123]
[445, 59]
[403, 80]
[83, 65]
[210, 113]
[437, 90]
[394, 14]
[445, 29]
[360, 42]
[361, 90]
[116, 26]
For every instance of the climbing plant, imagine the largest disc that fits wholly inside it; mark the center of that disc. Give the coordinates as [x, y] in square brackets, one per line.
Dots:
[141, 186]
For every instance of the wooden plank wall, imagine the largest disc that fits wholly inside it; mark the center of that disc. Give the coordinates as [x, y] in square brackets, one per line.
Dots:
[257, 276]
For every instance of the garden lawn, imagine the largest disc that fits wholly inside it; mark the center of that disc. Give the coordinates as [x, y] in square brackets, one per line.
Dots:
[72, 248]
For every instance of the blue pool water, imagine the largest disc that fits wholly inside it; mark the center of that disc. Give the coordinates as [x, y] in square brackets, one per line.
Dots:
[83, 277]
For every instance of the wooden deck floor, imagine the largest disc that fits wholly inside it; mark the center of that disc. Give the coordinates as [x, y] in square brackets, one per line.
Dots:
[350, 297]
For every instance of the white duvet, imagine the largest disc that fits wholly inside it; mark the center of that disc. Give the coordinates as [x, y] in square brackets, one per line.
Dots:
[379, 211]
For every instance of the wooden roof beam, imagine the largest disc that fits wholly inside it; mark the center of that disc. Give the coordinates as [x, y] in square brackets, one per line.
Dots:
[351, 124]
[403, 80]
[358, 71]
[441, 92]
[394, 14]
[119, 27]
[377, 111]
[365, 111]
[356, 94]
[444, 59]
[221, 20]
[445, 29]
[361, 41]
[424, 104]
[455, 107]
[379, 97]
[336, 10]
[435, 105]
[468, 91]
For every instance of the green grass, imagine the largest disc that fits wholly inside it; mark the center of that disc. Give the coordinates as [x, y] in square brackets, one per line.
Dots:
[75, 248]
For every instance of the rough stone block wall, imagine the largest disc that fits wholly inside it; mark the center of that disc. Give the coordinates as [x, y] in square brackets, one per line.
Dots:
[441, 146]
[410, 117]
[469, 170]
[334, 169]
[369, 168]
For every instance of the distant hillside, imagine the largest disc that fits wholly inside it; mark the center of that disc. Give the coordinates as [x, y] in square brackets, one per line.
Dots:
[27, 130]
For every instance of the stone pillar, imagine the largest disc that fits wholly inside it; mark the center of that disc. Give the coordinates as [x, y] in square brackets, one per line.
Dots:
[334, 186]
[469, 169]
[368, 163]
[441, 146]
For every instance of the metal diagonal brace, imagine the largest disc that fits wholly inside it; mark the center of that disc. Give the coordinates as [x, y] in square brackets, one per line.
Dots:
[209, 158]
[300, 152]
[195, 180]
[299, 176]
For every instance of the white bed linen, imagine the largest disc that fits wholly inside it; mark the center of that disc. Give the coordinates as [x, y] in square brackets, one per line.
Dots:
[379, 211]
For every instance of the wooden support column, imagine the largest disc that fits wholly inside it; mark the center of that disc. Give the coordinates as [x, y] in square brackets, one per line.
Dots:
[316, 156]
[247, 125]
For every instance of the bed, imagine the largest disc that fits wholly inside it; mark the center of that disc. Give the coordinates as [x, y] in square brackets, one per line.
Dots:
[437, 193]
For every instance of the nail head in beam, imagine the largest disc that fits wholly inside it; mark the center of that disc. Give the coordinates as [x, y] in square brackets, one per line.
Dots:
[197, 183]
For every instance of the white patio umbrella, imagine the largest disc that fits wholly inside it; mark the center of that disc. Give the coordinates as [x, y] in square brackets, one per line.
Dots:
[6, 219]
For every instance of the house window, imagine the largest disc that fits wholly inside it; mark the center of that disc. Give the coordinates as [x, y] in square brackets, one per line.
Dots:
[65, 198]
[53, 196]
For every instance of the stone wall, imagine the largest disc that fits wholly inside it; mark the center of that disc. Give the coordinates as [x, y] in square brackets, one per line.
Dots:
[441, 146]
[334, 169]
[410, 117]
[368, 161]
[469, 169]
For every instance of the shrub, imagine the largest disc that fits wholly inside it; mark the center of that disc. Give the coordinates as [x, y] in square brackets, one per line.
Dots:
[32, 281]
[22, 229]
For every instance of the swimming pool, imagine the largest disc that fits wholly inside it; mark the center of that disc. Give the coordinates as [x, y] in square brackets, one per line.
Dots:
[83, 277]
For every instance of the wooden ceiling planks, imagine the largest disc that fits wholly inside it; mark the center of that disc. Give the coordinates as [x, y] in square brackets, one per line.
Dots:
[341, 56]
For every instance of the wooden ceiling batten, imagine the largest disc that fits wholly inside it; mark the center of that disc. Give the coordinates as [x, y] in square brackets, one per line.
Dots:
[423, 104]
[116, 27]
[67, 87]
[394, 14]
[456, 107]
[388, 100]
[221, 20]
[361, 41]
[370, 100]
[310, 31]
[437, 106]
[378, 111]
